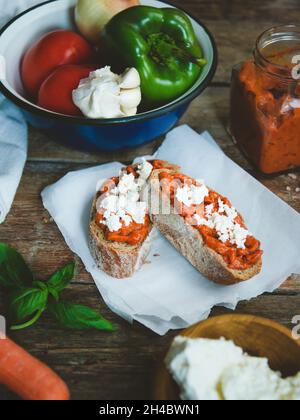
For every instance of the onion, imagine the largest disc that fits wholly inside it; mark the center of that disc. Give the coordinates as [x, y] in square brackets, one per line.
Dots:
[92, 15]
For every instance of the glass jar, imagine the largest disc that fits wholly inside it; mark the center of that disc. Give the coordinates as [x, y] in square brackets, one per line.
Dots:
[265, 101]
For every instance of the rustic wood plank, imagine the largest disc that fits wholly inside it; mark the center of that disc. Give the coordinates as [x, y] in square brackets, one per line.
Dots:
[121, 366]
[236, 11]
[235, 43]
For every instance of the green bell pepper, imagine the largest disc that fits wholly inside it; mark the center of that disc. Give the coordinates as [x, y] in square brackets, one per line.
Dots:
[162, 45]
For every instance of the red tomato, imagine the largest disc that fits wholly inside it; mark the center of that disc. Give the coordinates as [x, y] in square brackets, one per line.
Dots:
[56, 92]
[51, 51]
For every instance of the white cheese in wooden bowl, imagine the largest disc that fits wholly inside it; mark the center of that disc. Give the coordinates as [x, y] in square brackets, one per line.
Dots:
[219, 370]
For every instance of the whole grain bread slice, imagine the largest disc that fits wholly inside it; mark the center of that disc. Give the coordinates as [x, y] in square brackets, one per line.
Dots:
[189, 242]
[119, 260]
[116, 259]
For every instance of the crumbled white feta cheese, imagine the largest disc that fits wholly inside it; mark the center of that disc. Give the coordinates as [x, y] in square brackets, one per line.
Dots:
[223, 221]
[132, 197]
[110, 203]
[209, 210]
[114, 191]
[127, 183]
[183, 196]
[137, 210]
[199, 194]
[223, 226]
[200, 221]
[239, 235]
[113, 223]
[122, 205]
[190, 195]
[144, 171]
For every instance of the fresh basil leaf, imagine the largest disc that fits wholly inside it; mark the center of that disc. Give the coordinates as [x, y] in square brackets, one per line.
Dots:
[14, 272]
[62, 278]
[79, 317]
[54, 294]
[30, 322]
[40, 284]
[27, 302]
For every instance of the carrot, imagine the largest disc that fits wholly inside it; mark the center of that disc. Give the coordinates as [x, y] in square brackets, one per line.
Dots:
[28, 377]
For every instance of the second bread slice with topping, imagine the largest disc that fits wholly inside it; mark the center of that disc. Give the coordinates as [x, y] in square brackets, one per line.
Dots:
[205, 228]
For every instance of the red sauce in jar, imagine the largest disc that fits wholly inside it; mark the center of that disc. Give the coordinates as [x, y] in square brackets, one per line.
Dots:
[265, 107]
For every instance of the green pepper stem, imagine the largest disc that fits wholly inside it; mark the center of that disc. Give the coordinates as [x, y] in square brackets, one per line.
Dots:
[28, 323]
[199, 61]
[163, 48]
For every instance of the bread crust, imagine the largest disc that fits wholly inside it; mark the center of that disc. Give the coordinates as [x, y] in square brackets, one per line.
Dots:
[189, 242]
[117, 260]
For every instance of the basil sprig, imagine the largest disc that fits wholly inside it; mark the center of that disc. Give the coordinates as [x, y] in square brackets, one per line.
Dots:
[29, 297]
[14, 272]
[78, 317]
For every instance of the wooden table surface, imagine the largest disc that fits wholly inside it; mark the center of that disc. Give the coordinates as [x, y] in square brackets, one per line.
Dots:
[97, 365]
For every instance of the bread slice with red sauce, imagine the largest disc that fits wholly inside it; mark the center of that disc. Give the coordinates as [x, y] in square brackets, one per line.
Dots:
[190, 242]
[119, 260]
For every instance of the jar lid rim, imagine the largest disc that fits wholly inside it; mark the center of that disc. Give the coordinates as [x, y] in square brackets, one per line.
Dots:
[278, 33]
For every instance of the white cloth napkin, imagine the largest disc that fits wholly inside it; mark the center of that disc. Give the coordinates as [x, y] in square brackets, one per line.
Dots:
[11, 8]
[13, 153]
[13, 128]
[168, 293]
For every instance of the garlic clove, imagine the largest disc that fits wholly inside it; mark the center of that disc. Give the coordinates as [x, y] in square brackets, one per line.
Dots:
[129, 112]
[130, 98]
[130, 79]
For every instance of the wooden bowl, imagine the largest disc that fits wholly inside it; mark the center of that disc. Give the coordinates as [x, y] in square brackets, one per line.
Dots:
[257, 336]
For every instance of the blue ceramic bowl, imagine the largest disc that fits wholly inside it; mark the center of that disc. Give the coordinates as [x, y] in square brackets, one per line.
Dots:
[101, 134]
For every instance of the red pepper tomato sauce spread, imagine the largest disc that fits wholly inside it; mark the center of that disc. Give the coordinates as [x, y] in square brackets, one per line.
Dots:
[262, 122]
[134, 234]
[235, 258]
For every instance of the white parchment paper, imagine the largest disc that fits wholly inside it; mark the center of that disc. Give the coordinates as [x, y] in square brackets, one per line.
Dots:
[168, 293]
